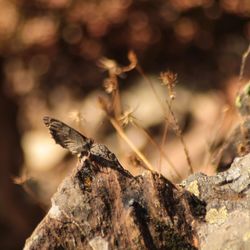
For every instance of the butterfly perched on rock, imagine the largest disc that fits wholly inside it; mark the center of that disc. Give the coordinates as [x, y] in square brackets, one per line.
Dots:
[68, 137]
[77, 143]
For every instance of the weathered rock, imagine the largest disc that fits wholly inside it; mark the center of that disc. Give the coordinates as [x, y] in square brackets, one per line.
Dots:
[103, 207]
[227, 196]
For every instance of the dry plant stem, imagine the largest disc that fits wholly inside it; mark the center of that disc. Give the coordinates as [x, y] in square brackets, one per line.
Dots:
[116, 100]
[242, 68]
[164, 137]
[178, 132]
[243, 129]
[208, 158]
[131, 145]
[153, 142]
[140, 70]
[216, 159]
[243, 62]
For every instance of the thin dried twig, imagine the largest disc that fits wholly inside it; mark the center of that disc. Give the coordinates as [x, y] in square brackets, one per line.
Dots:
[158, 147]
[242, 68]
[225, 144]
[169, 79]
[178, 132]
[116, 124]
[147, 79]
[128, 118]
[111, 83]
[241, 74]
[243, 62]
[130, 143]
[208, 158]
[164, 137]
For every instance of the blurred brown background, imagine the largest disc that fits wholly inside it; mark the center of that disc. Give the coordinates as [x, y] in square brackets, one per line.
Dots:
[49, 66]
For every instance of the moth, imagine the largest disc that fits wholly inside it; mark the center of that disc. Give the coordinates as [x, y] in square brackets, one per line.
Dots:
[77, 143]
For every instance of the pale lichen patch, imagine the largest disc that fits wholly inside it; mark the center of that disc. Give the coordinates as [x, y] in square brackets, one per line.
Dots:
[193, 188]
[216, 216]
[99, 243]
[54, 211]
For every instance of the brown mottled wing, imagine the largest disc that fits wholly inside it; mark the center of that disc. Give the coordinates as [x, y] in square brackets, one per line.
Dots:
[67, 137]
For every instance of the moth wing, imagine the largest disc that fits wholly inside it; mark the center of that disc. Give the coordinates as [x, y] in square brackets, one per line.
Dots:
[66, 136]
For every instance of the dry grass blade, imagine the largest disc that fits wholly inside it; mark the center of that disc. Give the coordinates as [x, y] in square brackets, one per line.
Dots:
[128, 118]
[131, 144]
[211, 154]
[116, 100]
[141, 72]
[164, 138]
[178, 132]
[169, 79]
[241, 74]
[116, 124]
[105, 105]
[243, 62]
[158, 147]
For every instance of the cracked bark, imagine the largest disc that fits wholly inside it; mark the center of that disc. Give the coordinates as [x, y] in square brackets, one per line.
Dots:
[102, 207]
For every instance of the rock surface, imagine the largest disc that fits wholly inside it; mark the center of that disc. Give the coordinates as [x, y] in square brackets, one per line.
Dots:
[103, 207]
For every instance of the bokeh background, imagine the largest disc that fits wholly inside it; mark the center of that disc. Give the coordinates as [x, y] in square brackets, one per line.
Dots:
[49, 54]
